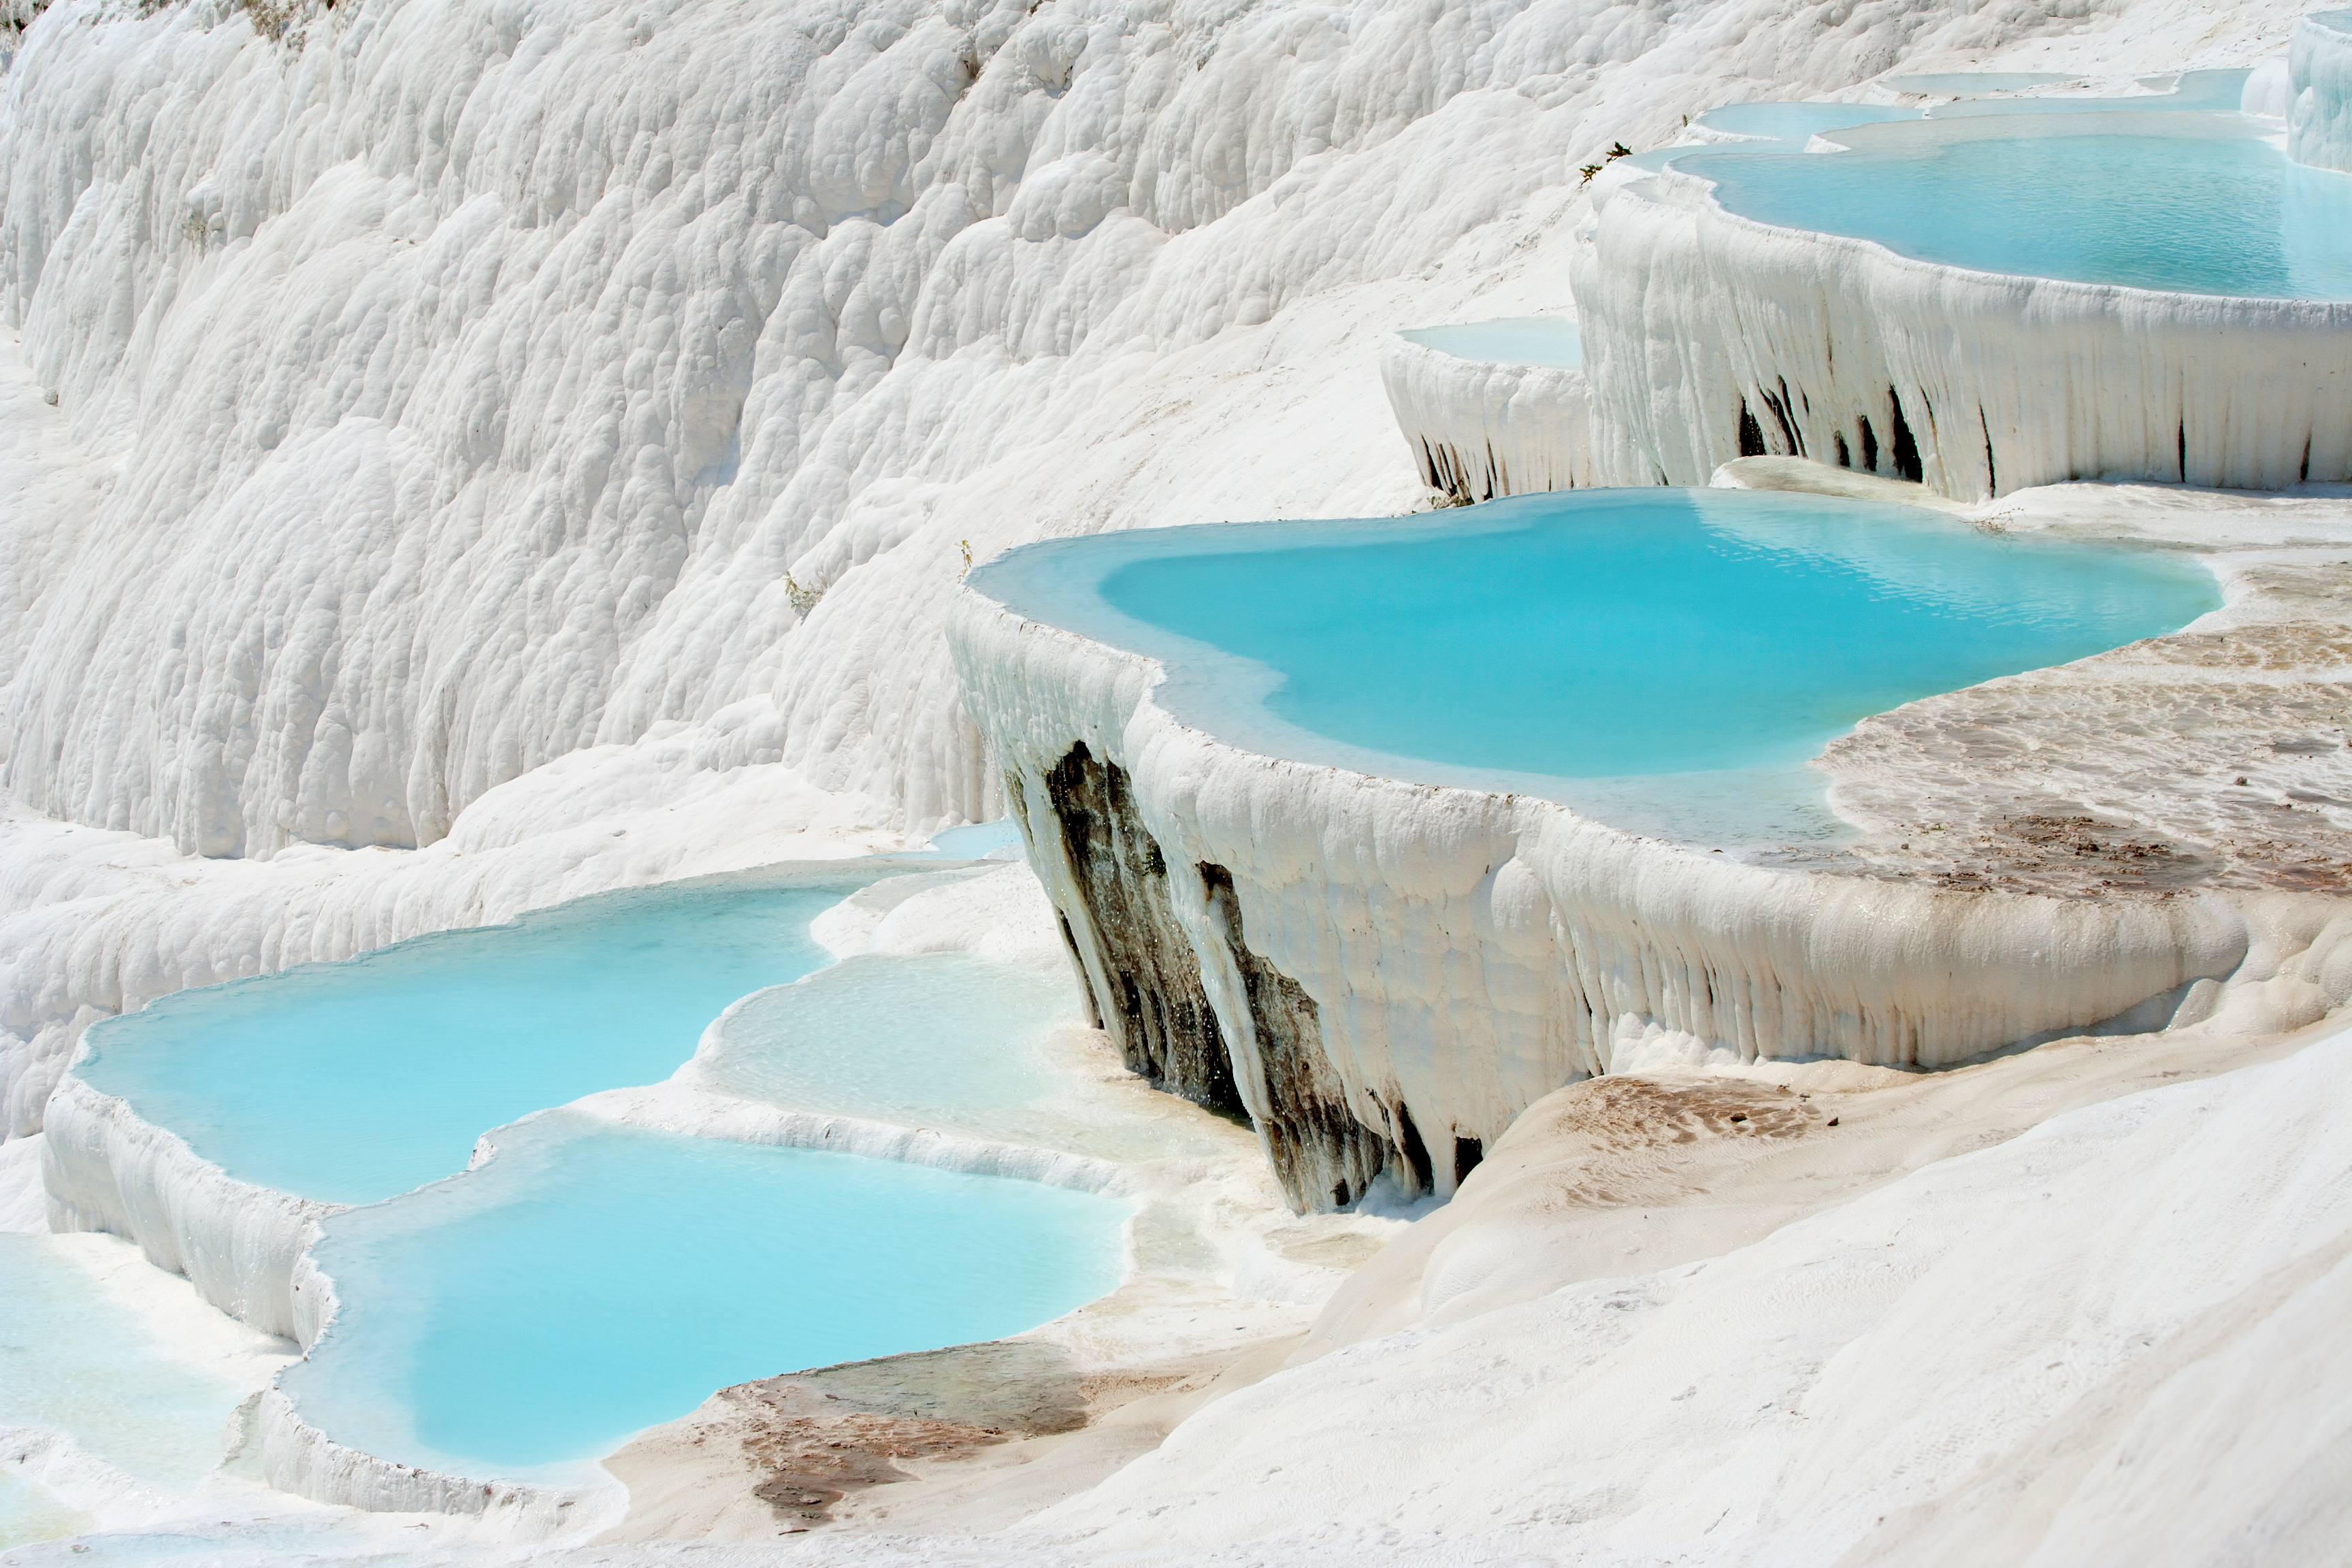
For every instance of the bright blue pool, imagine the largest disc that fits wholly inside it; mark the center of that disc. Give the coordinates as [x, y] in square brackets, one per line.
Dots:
[2194, 199]
[593, 1279]
[1509, 340]
[1701, 644]
[353, 1081]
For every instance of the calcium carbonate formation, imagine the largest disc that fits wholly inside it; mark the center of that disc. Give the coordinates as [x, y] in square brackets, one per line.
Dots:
[1482, 428]
[1711, 336]
[1385, 974]
[2319, 113]
[590, 401]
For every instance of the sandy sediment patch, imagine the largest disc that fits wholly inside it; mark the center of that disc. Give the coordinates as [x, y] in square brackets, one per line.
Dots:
[955, 1441]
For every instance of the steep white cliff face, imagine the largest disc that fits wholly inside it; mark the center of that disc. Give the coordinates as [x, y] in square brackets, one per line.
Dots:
[457, 386]
[1396, 971]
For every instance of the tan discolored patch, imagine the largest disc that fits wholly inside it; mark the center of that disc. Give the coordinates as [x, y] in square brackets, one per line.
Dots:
[2206, 761]
[813, 1438]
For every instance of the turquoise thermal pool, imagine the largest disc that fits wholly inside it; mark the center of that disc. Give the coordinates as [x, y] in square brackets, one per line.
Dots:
[592, 1280]
[1509, 340]
[2196, 203]
[1664, 660]
[2204, 92]
[354, 1081]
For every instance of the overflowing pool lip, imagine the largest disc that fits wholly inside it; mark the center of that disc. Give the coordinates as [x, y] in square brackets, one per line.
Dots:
[1767, 793]
[348, 1429]
[165, 1060]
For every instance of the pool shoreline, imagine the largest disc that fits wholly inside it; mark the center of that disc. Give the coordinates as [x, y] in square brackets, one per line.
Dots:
[307, 1461]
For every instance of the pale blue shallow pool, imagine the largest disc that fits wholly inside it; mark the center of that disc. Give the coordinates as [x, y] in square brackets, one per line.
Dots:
[353, 1081]
[1701, 644]
[78, 1360]
[593, 1279]
[914, 1040]
[1508, 340]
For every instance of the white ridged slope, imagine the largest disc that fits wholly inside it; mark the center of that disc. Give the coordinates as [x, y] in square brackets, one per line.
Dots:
[458, 382]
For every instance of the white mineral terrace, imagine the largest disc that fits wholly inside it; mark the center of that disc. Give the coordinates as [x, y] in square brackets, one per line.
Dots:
[1710, 335]
[2319, 114]
[462, 461]
[1463, 952]
[1483, 421]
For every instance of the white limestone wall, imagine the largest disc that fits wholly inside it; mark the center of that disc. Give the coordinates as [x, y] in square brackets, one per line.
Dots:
[1478, 430]
[1469, 952]
[1690, 313]
[107, 1169]
[2319, 70]
[298, 1458]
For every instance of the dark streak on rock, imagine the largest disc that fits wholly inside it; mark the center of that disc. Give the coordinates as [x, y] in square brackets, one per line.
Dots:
[1907, 446]
[1322, 1154]
[1157, 1009]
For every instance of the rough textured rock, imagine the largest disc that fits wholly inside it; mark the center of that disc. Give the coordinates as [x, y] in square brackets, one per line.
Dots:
[1143, 981]
[819, 1435]
[1319, 1147]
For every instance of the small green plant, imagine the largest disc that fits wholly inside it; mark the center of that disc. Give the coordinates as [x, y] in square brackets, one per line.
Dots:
[803, 600]
[1616, 150]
